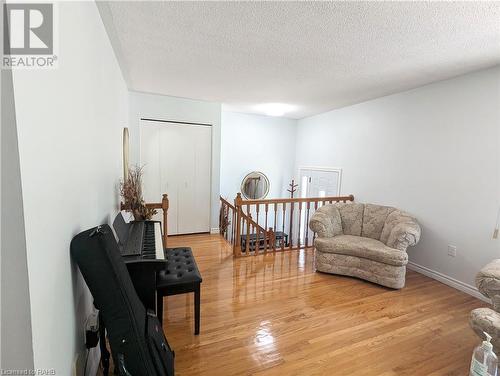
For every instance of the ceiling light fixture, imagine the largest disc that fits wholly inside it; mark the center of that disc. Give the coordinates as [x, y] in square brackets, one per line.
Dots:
[275, 109]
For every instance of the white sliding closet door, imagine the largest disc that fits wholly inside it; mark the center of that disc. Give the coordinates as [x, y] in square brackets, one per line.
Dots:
[177, 161]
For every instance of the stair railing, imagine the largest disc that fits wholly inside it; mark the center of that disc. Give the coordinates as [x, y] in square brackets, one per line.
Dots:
[258, 226]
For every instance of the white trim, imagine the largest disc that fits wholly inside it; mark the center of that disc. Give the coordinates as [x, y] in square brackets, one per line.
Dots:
[214, 230]
[319, 168]
[447, 280]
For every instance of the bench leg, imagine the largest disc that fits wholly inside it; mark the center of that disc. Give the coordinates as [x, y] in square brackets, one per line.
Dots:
[159, 307]
[197, 310]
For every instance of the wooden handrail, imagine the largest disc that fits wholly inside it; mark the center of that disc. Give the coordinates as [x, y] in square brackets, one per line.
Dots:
[224, 201]
[298, 199]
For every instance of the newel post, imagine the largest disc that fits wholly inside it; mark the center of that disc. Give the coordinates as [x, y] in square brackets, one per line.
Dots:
[164, 206]
[237, 208]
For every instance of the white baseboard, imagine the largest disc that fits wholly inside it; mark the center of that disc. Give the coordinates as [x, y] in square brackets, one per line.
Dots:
[447, 280]
[214, 230]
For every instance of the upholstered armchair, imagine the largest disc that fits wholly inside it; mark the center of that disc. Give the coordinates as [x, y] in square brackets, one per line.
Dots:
[488, 319]
[365, 241]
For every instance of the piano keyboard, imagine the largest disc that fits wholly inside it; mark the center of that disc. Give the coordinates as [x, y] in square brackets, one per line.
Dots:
[159, 248]
[152, 243]
[139, 239]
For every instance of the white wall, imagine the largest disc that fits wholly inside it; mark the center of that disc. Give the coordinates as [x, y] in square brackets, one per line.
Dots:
[256, 143]
[433, 151]
[69, 123]
[16, 350]
[160, 107]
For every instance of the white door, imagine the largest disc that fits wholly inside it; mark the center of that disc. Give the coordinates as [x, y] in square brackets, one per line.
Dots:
[177, 161]
[318, 182]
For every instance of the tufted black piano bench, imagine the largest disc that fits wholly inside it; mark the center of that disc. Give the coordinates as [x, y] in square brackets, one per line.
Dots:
[179, 277]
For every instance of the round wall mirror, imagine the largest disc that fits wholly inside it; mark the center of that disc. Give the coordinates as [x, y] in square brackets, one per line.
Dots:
[255, 186]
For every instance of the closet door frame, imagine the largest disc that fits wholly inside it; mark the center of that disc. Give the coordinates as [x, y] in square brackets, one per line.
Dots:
[186, 123]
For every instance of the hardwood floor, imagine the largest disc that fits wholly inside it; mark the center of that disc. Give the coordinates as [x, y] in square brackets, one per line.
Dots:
[273, 315]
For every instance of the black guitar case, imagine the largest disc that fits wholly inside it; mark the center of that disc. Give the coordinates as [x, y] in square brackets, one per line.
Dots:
[136, 337]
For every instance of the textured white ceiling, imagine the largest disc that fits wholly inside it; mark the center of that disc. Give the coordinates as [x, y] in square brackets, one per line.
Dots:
[315, 56]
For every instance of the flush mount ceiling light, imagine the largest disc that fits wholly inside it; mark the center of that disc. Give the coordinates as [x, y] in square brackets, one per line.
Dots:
[275, 109]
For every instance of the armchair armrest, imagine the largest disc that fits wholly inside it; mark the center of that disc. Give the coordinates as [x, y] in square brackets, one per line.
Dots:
[326, 222]
[404, 234]
[488, 282]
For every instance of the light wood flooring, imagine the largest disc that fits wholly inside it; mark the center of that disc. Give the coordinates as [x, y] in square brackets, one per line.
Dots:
[274, 315]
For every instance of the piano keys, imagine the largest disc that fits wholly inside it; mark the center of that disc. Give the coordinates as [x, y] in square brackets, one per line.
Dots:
[141, 239]
[144, 241]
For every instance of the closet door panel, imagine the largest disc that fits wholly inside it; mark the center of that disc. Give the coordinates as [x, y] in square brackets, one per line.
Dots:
[171, 140]
[194, 201]
[187, 205]
[202, 183]
[150, 152]
[150, 161]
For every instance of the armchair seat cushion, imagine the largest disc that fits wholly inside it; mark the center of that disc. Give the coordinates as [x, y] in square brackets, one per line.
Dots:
[362, 247]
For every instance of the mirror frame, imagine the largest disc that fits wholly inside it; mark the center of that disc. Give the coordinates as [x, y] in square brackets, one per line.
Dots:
[266, 180]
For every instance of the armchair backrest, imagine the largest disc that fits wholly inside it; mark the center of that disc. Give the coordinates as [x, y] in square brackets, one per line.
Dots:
[375, 221]
[371, 221]
[365, 220]
[394, 218]
[351, 215]
[488, 282]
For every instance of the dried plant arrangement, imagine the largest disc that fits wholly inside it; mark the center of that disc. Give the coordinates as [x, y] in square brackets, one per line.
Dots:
[131, 192]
